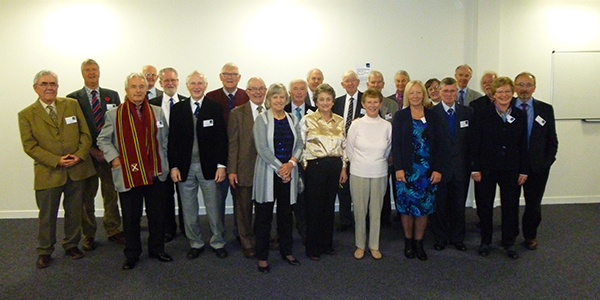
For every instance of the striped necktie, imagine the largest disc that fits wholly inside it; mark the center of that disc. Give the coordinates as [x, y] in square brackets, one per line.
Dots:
[350, 113]
[96, 111]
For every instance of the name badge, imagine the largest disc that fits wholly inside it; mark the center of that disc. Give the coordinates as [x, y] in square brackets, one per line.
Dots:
[160, 124]
[388, 116]
[510, 119]
[540, 120]
[423, 120]
[363, 111]
[110, 106]
[464, 123]
[208, 123]
[71, 120]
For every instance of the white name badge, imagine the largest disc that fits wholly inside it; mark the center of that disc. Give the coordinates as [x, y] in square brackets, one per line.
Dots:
[110, 106]
[71, 120]
[540, 120]
[464, 123]
[388, 116]
[363, 111]
[510, 119]
[208, 123]
[423, 120]
[160, 124]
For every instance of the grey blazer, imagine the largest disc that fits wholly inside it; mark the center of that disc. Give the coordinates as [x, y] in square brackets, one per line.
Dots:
[107, 142]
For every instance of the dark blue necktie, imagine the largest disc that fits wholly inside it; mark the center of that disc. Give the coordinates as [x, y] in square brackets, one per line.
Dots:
[230, 101]
[171, 102]
[451, 118]
[197, 110]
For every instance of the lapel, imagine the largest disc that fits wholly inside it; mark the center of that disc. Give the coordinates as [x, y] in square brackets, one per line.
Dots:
[358, 105]
[84, 103]
[247, 111]
[61, 106]
[40, 112]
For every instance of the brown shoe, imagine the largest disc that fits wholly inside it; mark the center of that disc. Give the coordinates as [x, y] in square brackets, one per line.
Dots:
[118, 238]
[531, 244]
[43, 261]
[88, 244]
[249, 253]
[359, 253]
[74, 253]
[376, 254]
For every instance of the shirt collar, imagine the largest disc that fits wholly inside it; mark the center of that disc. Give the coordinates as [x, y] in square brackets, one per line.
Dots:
[446, 107]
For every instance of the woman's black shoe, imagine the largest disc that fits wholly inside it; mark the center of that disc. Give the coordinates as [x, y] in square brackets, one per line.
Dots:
[409, 250]
[293, 262]
[421, 255]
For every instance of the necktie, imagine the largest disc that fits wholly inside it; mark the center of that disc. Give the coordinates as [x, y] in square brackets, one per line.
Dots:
[451, 118]
[524, 107]
[138, 110]
[298, 114]
[147, 95]
[171, 102]
[197, 110]
[350, 112]
[259, 109]
[52, 114]
[461, 97]
[230, 101]
[96, 111]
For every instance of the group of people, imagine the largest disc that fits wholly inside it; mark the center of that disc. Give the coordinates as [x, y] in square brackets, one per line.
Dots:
[299, 147]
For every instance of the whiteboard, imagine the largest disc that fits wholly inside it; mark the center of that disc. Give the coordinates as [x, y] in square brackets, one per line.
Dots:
[575, 87]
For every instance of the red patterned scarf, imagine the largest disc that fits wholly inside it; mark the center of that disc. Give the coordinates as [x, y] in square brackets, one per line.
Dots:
[138, 145]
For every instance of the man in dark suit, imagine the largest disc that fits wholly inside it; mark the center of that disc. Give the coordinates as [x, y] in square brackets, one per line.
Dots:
[463, 74]
[149, 72]
[348, 106]
[55, 135]
[401, 79]
[169, 81]
[448, 221]
[486, 86]
[95, 102]
[542, 145]
[314, 78]
[241, 159]
[198, 157]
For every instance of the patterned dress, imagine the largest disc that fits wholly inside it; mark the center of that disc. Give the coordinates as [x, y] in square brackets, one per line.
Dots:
[416, 197]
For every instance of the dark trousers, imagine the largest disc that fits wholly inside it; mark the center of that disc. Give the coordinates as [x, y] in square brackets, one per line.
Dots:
[390, 191]
[322, 183]
[448, 221]
[345, 199]
[300, 211]
[509, 199]
[243, 214]
[169, 207]
[264, 217]
[533, 190]
[132, 203]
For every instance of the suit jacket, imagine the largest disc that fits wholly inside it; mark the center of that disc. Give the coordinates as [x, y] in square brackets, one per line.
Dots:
[158, 100]
[470, 96]
[456, 163]
[159, 93]
[307, 100]
[340, 102]
[211, 134]
[242, 152]
[307, 107]
[107, 142]
[499, 145]
[46, 143]
[402, 145]
[388, 108]
[105, 97]
[543, 142]
[480, 102]
[222, 99]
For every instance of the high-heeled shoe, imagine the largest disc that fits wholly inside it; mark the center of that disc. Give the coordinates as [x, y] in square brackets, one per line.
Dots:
[293, 262]
[421, 255]
[409, 250]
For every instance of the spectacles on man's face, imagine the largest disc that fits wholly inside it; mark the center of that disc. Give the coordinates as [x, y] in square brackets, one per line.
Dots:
[256, 89]
[150, 75]
[47, 84]
[525, 85]
[230, 74]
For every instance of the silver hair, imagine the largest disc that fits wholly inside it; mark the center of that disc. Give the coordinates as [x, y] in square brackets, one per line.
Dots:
[196, 72]
[134, 75]
[44, 73]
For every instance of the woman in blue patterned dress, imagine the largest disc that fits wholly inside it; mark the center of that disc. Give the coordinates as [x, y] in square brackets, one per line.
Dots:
[417, 153]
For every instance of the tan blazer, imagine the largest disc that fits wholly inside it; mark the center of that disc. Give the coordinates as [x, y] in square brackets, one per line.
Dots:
[242, 152]
[46, 143]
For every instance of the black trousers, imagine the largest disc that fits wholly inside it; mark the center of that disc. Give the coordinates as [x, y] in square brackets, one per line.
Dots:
[533, 190]
[132, 203]
[509, 199]
[264, 216]
[169, 207]
[346, 217]
[448, 221]
[322, 183]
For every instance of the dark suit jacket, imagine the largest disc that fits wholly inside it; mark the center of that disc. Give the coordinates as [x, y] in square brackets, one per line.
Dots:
[480, 102]
[340, 102]
[242, 152]
[159, 93]
[46, 143]
[307, 107]
[402, 144]
[222, 99]
[499, 145]
[470, 96]
[456, 163]
[158, 100]
[212, 140]
[307, 100]
[543, 142]
[105, 97]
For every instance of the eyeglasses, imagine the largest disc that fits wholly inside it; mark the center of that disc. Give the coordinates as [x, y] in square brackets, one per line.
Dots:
[150, 75]
[230, 74]
[525, 85]
[256, 89]
[47, 84]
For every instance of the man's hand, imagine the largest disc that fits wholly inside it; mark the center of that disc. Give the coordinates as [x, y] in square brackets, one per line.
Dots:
[476, 176]
[115, 163]
[233, 180]
[68, 160]
[97, 154]
[220, 174]
[175, 175]
[400, 176]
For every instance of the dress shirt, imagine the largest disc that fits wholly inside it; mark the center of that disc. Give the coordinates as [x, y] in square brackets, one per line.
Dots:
[254, 107]
[45, 106]
[88, 91]
[166, 106]
[322, 138]
[151, 93]
[446, 107]
[310, 97]
[302, 109]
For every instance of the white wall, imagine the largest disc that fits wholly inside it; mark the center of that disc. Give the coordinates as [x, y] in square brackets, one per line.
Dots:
[281, 40]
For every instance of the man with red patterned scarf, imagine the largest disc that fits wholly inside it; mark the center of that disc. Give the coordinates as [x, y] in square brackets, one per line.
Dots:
[134, 141]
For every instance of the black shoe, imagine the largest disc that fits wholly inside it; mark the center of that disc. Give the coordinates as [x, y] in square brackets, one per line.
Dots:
[313, 257]
[43, 261]
[293, 262]
[129, 263]
[221, 252]
[409, 250]
[484, 250]
[330, 251]
[74, 253]
[460, 246]
[343, 227]
[421, 255]
[194, 252]
[264, 270]
[439, 246]
[512, 252]
[161, 256]
[169, 237]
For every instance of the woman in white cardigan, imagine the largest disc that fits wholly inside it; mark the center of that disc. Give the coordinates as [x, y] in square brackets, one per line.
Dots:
[279, 147]
[368, 146]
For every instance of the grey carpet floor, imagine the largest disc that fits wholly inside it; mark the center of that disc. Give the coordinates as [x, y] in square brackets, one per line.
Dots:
[566, 266]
